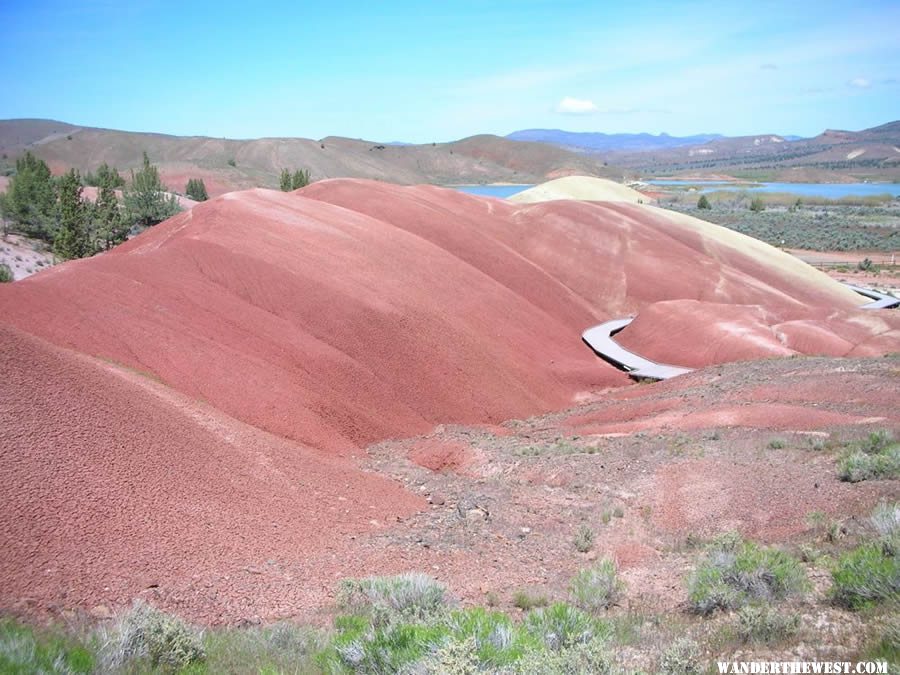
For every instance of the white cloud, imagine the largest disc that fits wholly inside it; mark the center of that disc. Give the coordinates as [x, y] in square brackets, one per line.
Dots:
[860, 83]
[575, 106]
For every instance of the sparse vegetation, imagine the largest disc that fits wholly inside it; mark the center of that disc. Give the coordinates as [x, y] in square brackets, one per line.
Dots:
[527, 601]
[598, 587]
[25, 650]
[762, 624]
[146, 635]
[736, 573]
[866, 575]
[877, 456]
[703, 203]
[584, 539]
[682, 657]
[6, 273]
[777, 444]
[822, 225]
[406, 596]
[757, 204]
[561, 626]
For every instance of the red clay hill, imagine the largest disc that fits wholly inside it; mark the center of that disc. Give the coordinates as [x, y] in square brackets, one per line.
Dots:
[195, 394]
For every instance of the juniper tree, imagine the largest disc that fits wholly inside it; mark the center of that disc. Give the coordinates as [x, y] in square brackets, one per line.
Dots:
[71, 240]
[300, 179]
[110, 226]
[146, 201]
[286, 181]
[196, 190]
[30, 200]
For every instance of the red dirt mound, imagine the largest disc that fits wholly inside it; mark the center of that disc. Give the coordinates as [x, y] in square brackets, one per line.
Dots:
[352, 311]
[116, 483]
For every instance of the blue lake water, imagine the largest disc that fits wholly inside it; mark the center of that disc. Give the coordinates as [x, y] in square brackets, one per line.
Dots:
[827, 190]
[502, 191]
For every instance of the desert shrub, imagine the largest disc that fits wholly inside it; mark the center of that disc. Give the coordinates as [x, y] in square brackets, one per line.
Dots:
[761, 624]
[560, 626]
[364, 647]
[886, 521]
[591, 656]
[146, 634]
[584, 539]
[876, 456]
[451, 658]
[888, 646]
[703, 203]
[682, 657]
[6, 273]
[865, 576]
[527, 601]
[597, 587]
[734, 574]
[22, 650]
[496, 640]
[407, 596]
[777, 444]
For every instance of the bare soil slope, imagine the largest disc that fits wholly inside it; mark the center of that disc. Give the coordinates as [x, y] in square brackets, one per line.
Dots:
[117, 484]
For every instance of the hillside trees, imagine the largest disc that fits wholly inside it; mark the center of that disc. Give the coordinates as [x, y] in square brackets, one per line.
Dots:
[106, 175]
[292, 181]
[30, 201]
[196, 190]
[146, 201]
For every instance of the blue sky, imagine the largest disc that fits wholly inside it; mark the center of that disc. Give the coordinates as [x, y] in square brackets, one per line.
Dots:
[433, 71]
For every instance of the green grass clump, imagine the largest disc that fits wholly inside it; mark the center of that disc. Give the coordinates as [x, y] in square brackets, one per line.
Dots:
[24, 650]
[405, 596]
[364, 647]
[735, 573]
[561, 626]
[496, 640]
[877, 456]
[597, 588]
[777, 444]
[279, 648]
[865, 576]
[6, 273]
[761, 624]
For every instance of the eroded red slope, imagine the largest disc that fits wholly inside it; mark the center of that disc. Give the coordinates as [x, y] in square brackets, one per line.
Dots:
[114, 484]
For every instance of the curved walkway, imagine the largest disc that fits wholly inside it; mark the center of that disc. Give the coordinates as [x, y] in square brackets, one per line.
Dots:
[881, 300]
[599, 338]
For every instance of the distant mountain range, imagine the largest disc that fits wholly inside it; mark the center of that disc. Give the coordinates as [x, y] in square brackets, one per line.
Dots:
[870, 154]
[589, 141]
[227, 165]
